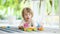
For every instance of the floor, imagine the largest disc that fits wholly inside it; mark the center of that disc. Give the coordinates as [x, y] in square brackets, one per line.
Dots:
[14, 30]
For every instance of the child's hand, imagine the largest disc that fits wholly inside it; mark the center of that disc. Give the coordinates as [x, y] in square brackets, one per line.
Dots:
[20, 27]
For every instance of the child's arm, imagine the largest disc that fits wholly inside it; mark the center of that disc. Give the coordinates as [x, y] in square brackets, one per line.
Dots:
[20, 25]
[33, 24]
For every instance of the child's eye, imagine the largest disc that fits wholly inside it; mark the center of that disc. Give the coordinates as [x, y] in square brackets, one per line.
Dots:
[25, 14]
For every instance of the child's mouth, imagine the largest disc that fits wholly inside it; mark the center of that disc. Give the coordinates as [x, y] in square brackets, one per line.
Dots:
[27, 18]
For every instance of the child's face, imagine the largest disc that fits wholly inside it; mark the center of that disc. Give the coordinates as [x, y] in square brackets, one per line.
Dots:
[27, 16]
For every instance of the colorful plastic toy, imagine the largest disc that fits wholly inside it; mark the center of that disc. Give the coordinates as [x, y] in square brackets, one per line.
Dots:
[34, 29]
[38, 25]
[8, 27]
[29, 29]
[3, 27]
[25, 29]
[41, 28]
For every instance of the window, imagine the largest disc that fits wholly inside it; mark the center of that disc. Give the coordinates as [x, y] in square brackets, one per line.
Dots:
[10, 10]
[45, 11]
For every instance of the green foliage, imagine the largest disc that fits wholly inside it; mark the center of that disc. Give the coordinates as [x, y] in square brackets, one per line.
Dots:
[15, 4]
[56, 3]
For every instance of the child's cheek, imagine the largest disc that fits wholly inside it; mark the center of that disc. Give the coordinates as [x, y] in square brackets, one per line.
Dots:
[29, 17]
[25, 17]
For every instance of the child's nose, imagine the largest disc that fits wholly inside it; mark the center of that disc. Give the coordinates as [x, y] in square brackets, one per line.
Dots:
[28, 15]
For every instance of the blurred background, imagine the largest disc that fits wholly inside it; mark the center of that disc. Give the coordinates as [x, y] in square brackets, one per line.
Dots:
[45, 12]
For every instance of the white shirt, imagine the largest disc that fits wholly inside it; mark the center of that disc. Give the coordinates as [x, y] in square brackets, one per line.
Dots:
[31, 23]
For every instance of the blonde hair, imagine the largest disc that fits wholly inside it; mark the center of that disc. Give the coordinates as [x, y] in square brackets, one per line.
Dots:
[28, 10]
